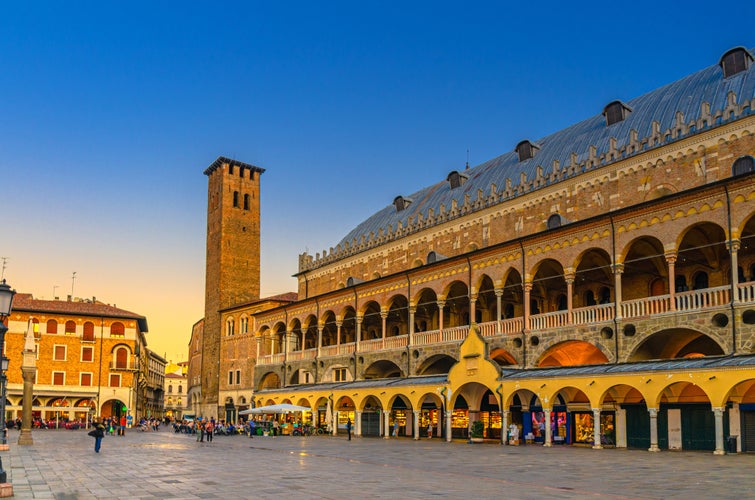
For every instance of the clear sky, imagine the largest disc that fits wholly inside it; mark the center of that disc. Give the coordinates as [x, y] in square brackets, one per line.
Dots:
[110, 111]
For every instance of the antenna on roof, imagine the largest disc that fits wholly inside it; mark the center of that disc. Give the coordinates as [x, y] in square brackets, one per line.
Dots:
[5, 260]
[73, 280]
[467, 159]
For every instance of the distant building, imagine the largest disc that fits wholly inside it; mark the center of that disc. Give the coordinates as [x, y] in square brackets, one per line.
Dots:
[87, 357]
[194, 371]
[154, 396]
[176, 389]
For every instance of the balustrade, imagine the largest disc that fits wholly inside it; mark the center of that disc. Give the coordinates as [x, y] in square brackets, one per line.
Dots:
[644, 307]
[545, 321]
[701, 299]
[592, 314]
[747, 292]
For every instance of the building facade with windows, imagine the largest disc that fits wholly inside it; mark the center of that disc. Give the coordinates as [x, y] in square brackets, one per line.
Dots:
[86, 357]
[592, 287]
[176, 389]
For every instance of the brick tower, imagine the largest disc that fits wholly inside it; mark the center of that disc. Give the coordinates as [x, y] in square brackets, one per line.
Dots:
[232, 274]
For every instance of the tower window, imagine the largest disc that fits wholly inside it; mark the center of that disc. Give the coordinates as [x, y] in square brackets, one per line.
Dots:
[735, 61]
[235, 199]
[615, 112]
[246, 202]
[743, 165]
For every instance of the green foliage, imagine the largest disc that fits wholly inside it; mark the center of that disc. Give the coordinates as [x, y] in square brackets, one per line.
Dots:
[477, 429]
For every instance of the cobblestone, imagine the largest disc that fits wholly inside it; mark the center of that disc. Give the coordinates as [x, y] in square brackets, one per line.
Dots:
[63, 465]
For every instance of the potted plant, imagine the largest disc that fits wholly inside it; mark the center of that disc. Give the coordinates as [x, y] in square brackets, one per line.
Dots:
[476, 432]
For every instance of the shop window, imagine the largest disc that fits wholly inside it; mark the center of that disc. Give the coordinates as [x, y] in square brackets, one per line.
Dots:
[115, 380]
[88, 335]
[58, 378]
[743, 165]
[85, 379]
[59, 353]
[87, 354]
[52, 326]
[70, 328]
[117, 330]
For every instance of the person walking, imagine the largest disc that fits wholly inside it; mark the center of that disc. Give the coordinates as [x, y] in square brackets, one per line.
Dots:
[251, 428]
[348, 428]
[97, 433]
[395, 428]
[209, 429]
[276, 427]
[430, 430]
[122, 429]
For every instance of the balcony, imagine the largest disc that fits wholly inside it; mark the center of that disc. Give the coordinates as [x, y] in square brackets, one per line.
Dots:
[127, 367]
[683, 302]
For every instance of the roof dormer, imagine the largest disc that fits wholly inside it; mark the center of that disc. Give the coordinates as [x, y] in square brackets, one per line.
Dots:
[615, 112]
[456, 179]
[401, 202]
[526, 150]
[735, 61]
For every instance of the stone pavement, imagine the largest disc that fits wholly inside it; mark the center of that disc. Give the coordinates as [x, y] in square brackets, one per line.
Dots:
[62, 464]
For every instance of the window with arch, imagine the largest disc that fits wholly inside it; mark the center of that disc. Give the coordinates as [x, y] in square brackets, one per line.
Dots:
[170, 389]
[244, 326]
[117, 330]
[743, 165]
[230, 327]
[121, 357]
[52, 326]
[70, 327]
[88, 335]
[554, 221]
[589, 298]
[180, 389]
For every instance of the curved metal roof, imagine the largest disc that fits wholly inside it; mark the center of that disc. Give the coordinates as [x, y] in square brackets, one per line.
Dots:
[686, 95]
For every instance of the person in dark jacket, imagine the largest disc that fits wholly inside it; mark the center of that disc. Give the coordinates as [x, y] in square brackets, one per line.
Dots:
[98, 433]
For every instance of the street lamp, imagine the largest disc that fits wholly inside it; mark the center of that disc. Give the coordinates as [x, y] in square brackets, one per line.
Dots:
[6, 305]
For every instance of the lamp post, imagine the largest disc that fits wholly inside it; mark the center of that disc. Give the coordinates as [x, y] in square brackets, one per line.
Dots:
[6, 304]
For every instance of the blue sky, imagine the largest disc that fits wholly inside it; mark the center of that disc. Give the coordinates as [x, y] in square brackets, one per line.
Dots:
[110, 111]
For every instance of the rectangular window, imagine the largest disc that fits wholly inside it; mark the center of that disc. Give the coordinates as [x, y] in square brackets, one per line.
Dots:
[87, 354]
[340, 374]
[85, 379]
[58, 378]
[115, 380]
[59, 353]
[238, 377]
[230, 378]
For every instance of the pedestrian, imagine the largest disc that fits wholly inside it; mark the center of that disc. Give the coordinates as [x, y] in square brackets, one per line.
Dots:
[122, 429]
[395, 428]
[251, 428]
[209, 429]
[276, 426]
[348, 428]
[97, 433]
[430, 430]
[199, 430]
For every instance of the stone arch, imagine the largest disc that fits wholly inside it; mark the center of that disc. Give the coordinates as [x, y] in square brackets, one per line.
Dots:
[382, 368]
[644, 265]
[329, 328]
[485, 309]
[309, 332]
[572, 353]
[513, 295]
[348, 325]
[456, 308]
[269, 380]
[592, 277]
[397, 322]
[675, 343]
[437, 364]
[622, 394]
[682, 392]
[548, 287]
[502, 357]
[372, 322]
[426, 315]
[743, 392]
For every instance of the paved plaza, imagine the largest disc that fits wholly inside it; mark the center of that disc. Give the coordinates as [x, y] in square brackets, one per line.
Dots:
[62, 464]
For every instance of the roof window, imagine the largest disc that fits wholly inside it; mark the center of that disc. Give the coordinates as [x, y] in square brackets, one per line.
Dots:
[735, 61]
[615, 112]
[526, 150]
[401, 202]
[456, 179]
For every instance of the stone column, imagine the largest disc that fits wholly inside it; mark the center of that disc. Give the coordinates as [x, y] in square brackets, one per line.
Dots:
[653, 429]
[671, 260]
[412, 311]
[319, 339]
[505, 426]
[441, 305]
[498, 295]
[416, 424]
[357, 423]
[569, 278]
[618, 270]
[386, 424]
[259, 348]
[472, 307]
[448, 424]
[527, 290]
[359, 320]
[621, 428]
[597, 445]
[338, 332]
[548, 431]
[25, 438]
[334, 424]
[718, 412]
[734, 248]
